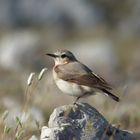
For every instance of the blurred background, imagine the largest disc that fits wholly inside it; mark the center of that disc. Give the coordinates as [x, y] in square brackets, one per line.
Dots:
[103, 34]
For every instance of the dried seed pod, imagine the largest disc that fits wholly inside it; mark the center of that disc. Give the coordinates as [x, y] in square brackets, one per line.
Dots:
[42, 73]
[30, 79]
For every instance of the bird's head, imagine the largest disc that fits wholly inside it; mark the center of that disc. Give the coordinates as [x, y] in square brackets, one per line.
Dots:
[62, 57]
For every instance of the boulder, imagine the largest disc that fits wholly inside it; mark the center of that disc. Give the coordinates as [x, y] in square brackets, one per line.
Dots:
[82, 122]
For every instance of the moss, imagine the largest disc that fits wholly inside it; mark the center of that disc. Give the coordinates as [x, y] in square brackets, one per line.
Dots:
[89, 126]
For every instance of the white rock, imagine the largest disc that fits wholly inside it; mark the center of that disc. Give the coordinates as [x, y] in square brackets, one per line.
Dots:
[45, 133]
[33, 138]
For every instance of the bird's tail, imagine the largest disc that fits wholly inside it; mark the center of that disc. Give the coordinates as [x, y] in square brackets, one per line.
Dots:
[111, 95]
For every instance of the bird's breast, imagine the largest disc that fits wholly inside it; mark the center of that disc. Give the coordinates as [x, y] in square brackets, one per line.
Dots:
[70, 88]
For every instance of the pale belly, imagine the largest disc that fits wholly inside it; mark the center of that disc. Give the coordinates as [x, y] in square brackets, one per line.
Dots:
[72, 89]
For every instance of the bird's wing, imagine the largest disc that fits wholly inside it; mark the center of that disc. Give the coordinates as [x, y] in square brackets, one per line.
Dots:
[82, 76]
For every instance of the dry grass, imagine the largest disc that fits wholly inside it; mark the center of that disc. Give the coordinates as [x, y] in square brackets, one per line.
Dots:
[24, 125]
[43, 93]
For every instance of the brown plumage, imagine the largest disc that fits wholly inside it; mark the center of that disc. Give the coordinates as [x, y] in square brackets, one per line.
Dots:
[85, 77]
[76, 79]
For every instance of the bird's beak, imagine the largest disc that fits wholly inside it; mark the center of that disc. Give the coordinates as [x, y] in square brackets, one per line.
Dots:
[52, 55]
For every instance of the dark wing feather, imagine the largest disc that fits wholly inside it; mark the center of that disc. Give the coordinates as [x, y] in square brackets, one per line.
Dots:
[87, 80]
[84, 76]
[108, 93]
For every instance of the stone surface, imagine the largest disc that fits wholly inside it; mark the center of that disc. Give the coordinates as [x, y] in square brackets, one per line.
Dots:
[81, 122]
[33, 138]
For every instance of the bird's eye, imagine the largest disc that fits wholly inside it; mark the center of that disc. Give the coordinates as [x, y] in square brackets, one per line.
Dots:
[63, 56]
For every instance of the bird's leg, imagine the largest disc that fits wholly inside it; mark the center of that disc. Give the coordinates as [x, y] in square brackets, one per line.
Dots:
[76, 100]
[84, 95]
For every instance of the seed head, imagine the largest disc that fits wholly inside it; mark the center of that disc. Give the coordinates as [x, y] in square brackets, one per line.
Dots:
[30, 79]
[42, 73]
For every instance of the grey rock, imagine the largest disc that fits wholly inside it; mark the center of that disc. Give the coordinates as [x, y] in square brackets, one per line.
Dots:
[81, 122]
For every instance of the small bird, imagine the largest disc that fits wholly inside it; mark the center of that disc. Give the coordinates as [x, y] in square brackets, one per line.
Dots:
[76, 79]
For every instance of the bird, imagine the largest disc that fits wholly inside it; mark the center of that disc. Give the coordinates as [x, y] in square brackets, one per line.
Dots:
[75, 79]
